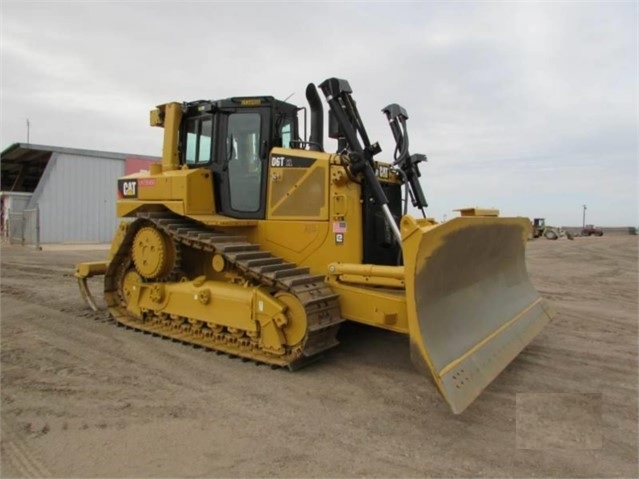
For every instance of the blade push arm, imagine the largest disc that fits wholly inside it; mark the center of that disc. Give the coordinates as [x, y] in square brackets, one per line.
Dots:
[338, 95]
[408, 163]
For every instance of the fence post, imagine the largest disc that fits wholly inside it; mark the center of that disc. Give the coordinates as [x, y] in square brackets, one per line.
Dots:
[37, 227]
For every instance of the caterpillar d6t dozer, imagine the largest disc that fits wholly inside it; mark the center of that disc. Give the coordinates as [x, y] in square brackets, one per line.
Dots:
[252, 241]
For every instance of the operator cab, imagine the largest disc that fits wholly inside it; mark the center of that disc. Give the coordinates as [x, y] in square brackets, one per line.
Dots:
[233, 138]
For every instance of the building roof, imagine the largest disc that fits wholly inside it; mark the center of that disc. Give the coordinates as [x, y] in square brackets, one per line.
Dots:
[22, 164]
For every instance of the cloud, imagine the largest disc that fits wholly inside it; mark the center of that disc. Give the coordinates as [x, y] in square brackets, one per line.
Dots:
[530, 107]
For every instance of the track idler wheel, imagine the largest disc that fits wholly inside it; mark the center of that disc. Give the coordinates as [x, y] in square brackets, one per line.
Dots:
[296, 325]
[130, 280]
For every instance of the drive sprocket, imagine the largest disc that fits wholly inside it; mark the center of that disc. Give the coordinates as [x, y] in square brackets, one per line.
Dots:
[154, 253]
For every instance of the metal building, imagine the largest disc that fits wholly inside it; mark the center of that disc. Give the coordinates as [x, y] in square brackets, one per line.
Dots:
[51, 194]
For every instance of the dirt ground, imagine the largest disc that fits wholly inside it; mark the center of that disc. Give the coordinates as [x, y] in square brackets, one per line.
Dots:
[83, 398]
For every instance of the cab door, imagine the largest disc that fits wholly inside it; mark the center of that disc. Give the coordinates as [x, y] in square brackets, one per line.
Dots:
[241, 162]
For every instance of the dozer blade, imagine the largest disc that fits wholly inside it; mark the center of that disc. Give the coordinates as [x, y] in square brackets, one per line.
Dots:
[471, 305]
[87, 270]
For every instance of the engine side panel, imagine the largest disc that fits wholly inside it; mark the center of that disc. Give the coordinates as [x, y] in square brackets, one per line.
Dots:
[185, 192]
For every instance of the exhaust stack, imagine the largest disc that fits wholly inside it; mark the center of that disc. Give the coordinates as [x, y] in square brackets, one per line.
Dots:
[316, 140]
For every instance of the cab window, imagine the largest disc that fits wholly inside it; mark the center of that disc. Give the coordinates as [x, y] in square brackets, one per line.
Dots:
[199, 133]
[286, 133]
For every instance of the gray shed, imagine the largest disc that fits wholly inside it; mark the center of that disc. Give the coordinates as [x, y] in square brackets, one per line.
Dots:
[71, 192]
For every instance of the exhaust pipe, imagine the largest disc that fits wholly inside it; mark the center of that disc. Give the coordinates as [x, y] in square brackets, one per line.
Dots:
[316, 140]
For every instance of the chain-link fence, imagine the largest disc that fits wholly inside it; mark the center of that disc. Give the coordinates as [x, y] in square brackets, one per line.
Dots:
[24, 227]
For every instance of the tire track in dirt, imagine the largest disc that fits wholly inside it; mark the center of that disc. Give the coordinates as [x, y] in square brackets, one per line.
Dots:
[16, 454]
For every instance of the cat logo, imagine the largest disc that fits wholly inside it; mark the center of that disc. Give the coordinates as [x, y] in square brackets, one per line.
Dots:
[128, 188]
[383, 172]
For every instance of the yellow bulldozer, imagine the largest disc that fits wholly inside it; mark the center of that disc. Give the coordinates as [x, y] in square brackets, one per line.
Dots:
[250, 239]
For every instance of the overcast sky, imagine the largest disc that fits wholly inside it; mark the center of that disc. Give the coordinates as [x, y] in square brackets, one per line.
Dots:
[527, 107]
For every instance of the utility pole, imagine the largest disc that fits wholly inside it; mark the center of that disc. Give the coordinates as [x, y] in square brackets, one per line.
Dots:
[583, 218]
[28, 125]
